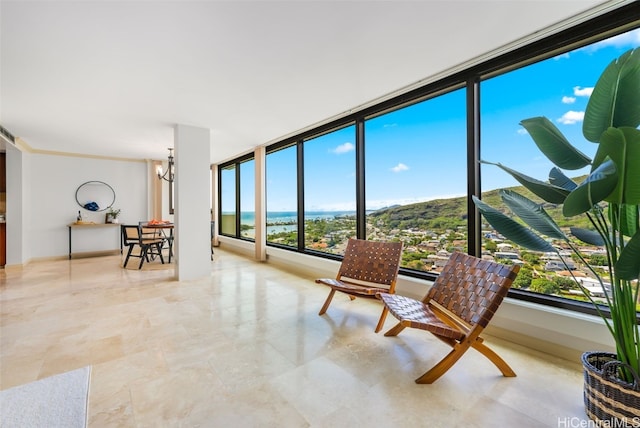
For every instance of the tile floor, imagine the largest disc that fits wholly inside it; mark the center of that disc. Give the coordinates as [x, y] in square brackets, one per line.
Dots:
[245, 347]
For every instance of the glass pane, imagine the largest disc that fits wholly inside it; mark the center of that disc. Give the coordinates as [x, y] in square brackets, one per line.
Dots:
[247, 199]
[416, 179]
[281, 197]
[558, 89]
[330, 191]
[228, 201]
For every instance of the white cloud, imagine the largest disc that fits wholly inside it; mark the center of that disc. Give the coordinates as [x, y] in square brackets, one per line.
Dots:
[561, 56]
[390, 125]
[630, 39]
[522, 131]
[571, 117]
[582, 92]
[568, 100]
[400, 167]
[343, 148]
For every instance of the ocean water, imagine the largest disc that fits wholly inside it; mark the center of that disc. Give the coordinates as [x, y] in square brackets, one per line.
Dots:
[283, 221]
[290, 217]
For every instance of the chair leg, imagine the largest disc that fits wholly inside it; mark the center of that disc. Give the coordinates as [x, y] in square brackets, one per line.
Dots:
[383, 317]
[159, 247]
[143, 256]
[170, 243]
[327, 302]
[395, 330]
[494, 358]
[126, 260]
[445, 364]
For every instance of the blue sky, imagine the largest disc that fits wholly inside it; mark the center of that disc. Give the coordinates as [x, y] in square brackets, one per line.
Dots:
[419, 153]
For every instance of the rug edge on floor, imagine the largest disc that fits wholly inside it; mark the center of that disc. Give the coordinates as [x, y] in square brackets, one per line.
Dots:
[59, 400]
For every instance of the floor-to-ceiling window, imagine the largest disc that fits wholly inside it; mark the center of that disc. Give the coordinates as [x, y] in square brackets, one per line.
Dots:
[558, 89]
[228, 200]
[416, 179]
[330, 191]
[405, 169]
[282, 196]
[247, 199]
[237, 198]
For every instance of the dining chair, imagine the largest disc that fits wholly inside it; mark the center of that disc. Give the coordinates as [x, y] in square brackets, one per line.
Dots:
[133, 236]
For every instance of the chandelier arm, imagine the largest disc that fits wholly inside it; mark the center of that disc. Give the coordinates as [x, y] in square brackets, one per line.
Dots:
[169, 170]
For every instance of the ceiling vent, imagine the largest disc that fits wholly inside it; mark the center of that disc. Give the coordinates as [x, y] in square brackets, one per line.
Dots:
[6, 135]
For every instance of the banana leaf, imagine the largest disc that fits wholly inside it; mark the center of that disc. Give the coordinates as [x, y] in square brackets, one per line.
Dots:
[629, 219]
[548, 192]
[554, 145]
[558, 178]
[628, 265]
[614, 100]
[595, 188]
[623, 147]
[512, 230]
[588, 236]
[531, 213]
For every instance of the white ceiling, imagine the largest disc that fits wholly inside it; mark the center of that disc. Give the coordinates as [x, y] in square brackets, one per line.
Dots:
[112, 78]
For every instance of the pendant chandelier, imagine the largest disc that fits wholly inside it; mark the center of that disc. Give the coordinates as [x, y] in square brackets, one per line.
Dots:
[169, 173]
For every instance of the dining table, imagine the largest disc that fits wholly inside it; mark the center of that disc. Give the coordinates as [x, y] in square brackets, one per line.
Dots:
[166, 229]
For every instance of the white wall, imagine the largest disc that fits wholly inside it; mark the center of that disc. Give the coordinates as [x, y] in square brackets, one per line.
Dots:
[54, 180]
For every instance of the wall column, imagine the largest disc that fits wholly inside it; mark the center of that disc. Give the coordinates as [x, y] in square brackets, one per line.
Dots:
[18, 212]
[214, 202]
[192, 245]
[260, 205]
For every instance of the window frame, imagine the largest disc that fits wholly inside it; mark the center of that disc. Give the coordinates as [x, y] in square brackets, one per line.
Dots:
[620, 20]
[236, 164]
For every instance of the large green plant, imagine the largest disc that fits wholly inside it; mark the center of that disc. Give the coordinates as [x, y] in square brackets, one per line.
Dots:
[609, 197]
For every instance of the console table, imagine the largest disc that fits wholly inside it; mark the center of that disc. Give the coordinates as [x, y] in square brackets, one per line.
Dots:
[89, 226]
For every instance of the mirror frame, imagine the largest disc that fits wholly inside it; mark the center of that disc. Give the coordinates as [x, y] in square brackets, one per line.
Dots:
[93, 182]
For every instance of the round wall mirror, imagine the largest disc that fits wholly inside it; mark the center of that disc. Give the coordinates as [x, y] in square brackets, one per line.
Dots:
[95, 196]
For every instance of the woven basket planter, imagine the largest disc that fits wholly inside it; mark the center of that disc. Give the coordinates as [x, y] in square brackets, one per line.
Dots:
[608, 400]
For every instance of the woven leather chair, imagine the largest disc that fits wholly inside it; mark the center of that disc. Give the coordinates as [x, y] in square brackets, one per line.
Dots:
[133, 236]
[457, 308]
[368, 267]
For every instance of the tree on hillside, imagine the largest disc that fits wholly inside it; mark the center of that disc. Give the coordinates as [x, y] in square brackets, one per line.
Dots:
[598, 260]
[524, 278]
[491, 246]
[544, 286]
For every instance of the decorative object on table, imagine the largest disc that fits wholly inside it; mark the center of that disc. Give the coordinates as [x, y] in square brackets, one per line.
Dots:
[79, 218]
[112, 215]
[92, 206]
[609, 198]
[154, 222]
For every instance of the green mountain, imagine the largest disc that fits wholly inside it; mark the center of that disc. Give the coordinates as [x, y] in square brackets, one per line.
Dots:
[442, 214]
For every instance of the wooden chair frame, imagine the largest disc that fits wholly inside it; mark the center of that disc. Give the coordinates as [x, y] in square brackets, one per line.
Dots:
[456, 309]
[150, 245]
[368, 268]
